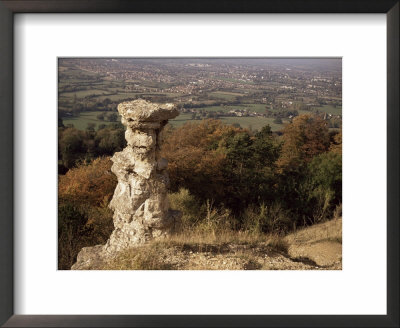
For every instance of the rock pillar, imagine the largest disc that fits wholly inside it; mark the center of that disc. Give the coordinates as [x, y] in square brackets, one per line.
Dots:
[140, 203]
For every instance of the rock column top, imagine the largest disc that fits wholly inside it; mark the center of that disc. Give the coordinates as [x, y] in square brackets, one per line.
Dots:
[141, 114]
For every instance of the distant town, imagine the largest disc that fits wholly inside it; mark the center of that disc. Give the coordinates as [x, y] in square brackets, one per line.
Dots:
[250, 92]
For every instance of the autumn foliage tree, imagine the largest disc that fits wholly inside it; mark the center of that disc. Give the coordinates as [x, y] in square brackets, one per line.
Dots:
[194, 160]
[306, 137]
[309, 169]
[221, 162]
[336, 144]
[89, 184]
[83, 216]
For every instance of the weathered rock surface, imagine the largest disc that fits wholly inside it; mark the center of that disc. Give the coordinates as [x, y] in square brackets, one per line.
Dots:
[140, 203]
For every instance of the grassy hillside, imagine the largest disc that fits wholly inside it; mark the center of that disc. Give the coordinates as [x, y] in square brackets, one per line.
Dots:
[321, 244]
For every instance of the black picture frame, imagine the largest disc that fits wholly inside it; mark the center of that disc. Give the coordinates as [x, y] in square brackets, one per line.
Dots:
[7, 10]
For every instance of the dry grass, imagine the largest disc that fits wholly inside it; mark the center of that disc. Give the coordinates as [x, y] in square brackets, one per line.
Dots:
[320, 243]
[148, 257]
[314, 248]
[225, 250]
[216, 237]
[278, 243]
[330, 230]
[215, 246]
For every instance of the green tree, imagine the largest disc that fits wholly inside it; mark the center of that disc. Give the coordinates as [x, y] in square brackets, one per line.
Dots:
[325, 170]
[72, 146]
[112, 117]
[250, 167]
[108, 141]
[266, 148]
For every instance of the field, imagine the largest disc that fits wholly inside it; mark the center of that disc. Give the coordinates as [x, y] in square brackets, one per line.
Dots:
[182, 119]
[259, 108]
[84, 118]
[254, 123]
[329, 109]
[225, 95]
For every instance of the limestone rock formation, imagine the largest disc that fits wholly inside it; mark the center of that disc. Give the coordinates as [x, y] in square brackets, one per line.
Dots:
[140, 203]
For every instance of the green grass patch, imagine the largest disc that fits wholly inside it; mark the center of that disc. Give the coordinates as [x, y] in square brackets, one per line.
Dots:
[182, 119]
[258, 108]
[255, 123]
[225, 95]
[119, 96]
[84, 118]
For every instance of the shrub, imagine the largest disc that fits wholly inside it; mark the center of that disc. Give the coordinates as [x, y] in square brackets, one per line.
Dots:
[216, 219]
[71, 220]
[321, 203]
[337, 213]
[278, 243]
[189, 205]
[71, 229]
[266, 219]
[197, 216]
